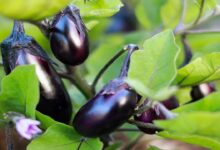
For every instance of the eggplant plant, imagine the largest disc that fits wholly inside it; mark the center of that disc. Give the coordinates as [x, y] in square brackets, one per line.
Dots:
[65, 83]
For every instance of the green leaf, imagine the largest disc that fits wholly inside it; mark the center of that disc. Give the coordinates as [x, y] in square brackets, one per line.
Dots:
[183, 95]
[106, 51]
[147, 13]
[20, 91]
[203, 141]
[171, 12]
[6, 26]
[155, 66]
[31, 9]
[45, 120]
[62, 137]
[202, 69]
[98, 8]
[91, 24]
[209, 103]
[199, 126]
[160, 95]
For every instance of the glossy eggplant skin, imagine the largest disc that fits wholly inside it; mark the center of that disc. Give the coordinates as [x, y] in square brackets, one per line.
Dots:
[200, 91]
[68, 37]
[54, 100]
[109, 109]
[20, 49]
[154, 114]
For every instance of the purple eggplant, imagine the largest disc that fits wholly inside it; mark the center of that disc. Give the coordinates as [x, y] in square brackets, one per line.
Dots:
[68, 37]
[159, 111]
[110, 108]
[20, 49]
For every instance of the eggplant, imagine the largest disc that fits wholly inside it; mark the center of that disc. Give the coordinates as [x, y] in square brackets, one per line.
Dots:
[159, 111]
[109, 108]
[20, 49]
[68, 37]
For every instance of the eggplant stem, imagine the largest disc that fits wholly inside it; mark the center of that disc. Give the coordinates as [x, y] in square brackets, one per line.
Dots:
[105, 67]
[124, 70]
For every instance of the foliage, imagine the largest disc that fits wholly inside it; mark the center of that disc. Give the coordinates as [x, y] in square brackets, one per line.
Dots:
[20, 91]
[156, 71]
[54, 137]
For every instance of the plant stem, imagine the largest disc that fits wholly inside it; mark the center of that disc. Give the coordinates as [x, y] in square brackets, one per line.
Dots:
[127, 130]
[200, 20]
[181, 21]
[200, 13]
[202, 31]
[43, 25]
[187, 50]
[124, 70]
[74, 77]
[143, 125]
[141, 101]
[144, 107]
[80, 144]
[105, 67]
[18, 27]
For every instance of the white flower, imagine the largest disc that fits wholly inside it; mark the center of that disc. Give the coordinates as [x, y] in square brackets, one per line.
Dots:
[27, 128]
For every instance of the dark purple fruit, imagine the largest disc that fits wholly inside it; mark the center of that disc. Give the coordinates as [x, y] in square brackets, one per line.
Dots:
[159, 111]
[110, 108]
[20, 49]
[201, 91]
[68, 37]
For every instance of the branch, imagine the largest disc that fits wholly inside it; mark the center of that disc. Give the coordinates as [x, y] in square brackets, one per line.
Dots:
[202, 31]
[43, 25]
[143, 125]
[127, 130]
[187, 50]
[181, 24]
[198, 21]
[74, 77]
[200, 13]
[105, 67]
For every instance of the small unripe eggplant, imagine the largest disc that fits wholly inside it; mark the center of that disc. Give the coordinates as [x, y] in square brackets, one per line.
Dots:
[110, 108]
[68, 37]
[159, 111]
[200, 91]
[20, 49]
